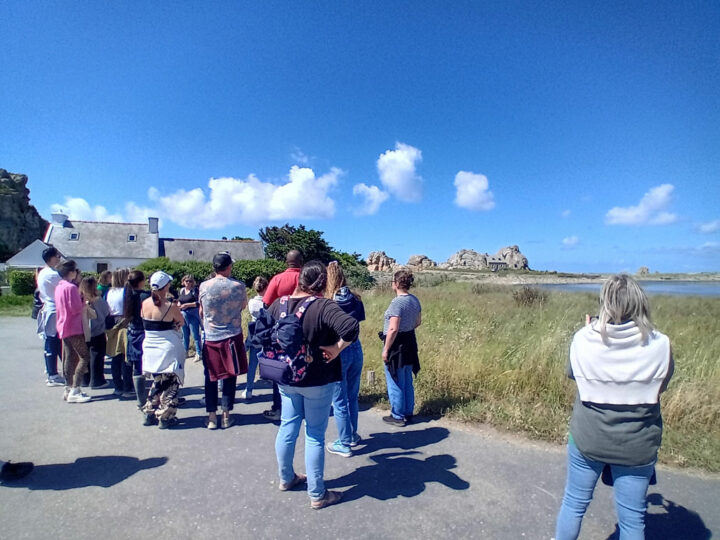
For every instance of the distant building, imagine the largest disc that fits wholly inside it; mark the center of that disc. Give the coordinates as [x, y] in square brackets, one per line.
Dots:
[97, 246]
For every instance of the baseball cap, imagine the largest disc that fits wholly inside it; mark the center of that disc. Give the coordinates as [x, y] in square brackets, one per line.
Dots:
[159, 279]
[222, 260]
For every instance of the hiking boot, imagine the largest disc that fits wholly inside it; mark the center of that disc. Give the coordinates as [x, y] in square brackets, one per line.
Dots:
[272, 414]
[299, 479]
[339, 449]
[390, 419]
[330, 497]
[149, 419]
[15, 471]
[77, 396]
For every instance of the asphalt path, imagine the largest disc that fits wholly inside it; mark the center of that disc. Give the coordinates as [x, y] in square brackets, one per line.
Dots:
[101, 474]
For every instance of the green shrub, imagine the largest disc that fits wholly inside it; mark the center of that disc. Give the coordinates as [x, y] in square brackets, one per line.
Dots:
[8, 301]
[529, 296]
[245, 271]
[22, 282]
[358, 277]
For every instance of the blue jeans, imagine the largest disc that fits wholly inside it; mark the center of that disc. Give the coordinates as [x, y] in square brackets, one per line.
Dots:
[53, 349]
[345, 394]
[312, 404]
[252, 369]
[192, 323]
[630, 489]
[401, 392]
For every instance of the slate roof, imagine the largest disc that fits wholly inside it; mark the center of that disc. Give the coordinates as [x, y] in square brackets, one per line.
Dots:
[29, 257]
[99, 239]
[187, 249]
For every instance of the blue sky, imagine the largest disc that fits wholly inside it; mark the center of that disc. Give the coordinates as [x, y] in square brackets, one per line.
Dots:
[587, 134]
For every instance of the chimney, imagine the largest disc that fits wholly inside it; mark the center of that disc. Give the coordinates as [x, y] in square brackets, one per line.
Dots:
[58, 218]
[153, 225]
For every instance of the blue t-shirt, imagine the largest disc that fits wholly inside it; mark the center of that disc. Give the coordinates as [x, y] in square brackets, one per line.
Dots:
[405, 306]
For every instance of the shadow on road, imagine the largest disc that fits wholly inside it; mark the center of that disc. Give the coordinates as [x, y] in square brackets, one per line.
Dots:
[195, 422]
[405, 440]
[667, 520]
[102, 471]
[397, 474]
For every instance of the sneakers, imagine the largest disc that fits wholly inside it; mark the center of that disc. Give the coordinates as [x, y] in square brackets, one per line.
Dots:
[272, 414]
[170, 422]
[150, 419]
[55, 380]
[181, 401]
[128, 395]
[15, 471]
[66, 393]
[355, 440]
[210, 424]
[197, 358]
[330, 498]
[339, 449]
[299, 479]
[227, 421]
[246, 395]
[77, 396]
[390, 419]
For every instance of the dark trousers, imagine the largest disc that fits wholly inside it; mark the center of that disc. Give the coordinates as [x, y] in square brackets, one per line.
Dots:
[96, 375]
[53, 350]
[121, 373]
[211, 393]
[276, 406]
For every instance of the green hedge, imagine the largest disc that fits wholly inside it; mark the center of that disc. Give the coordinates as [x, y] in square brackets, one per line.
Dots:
[22, 282]
[245, 271]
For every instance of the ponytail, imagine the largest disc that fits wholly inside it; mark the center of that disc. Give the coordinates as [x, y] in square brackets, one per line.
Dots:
[135, 278]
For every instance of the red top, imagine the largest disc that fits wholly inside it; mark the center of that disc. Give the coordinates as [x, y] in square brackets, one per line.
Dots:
[281, 285]
[69, 309]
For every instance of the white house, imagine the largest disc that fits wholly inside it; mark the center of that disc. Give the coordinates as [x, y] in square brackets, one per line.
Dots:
[97, 246]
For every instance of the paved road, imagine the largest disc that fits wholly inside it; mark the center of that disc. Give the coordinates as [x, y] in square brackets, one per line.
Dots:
[100, 474]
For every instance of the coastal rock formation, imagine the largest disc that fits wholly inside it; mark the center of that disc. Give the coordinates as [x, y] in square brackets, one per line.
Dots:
[507, 257]
[378, 261]
[20, 223]
[420, 262]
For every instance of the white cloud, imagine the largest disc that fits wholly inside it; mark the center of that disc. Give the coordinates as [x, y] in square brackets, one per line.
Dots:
[373, 197]
[710, 227]
[79, 209]
[135, 213]
[299, 156]
[570, 241]
[473, 191]
[710, 246]
[566, 213]
[651, 210]
[397, 172]
[250, 200]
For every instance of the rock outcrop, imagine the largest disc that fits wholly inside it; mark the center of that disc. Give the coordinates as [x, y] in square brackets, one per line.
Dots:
[20, 223]
[420, 262]
[508, 257]
[378, 261]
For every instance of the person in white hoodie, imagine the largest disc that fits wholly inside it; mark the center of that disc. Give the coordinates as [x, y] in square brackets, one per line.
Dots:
[620, 364]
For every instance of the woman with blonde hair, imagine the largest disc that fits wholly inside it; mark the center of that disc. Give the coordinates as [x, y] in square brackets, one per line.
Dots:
[117, 336]
[346, 391]
[621, 364]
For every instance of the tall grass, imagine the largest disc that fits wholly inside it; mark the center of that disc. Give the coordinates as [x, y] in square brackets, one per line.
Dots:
[489, 358]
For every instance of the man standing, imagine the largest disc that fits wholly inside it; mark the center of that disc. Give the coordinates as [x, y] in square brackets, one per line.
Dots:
[283, 284]
[222, 300]
[47, 280]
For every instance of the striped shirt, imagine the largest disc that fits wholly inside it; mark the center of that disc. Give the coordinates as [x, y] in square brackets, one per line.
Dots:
[405, 306]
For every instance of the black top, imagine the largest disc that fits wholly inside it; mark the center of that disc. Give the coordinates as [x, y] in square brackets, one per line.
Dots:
[323, 324]
[138, 297]
[158, 325]
[188, 297]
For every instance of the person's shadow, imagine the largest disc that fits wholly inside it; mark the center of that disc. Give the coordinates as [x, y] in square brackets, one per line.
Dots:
[672, 521]
[396, 474]
[102, 471]
[404, 440]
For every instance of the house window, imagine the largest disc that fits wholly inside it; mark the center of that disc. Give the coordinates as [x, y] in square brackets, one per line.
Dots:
[132, 238]
[74, 236]
[190, 251]
[101, 267]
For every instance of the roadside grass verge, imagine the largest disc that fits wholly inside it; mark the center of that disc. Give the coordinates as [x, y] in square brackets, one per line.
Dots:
[15, 306]
[489, 358]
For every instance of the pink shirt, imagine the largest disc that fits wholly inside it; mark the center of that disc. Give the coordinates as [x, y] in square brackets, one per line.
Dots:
[69, 307]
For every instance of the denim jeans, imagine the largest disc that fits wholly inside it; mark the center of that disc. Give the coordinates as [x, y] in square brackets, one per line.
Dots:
[401, 392]
[345, 395]
[252, 369]
[53, 349]
[192, 324]
[312, 404]
[121, 373]
[630, 490]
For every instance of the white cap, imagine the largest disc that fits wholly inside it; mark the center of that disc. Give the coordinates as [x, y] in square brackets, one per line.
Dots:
[159, 279]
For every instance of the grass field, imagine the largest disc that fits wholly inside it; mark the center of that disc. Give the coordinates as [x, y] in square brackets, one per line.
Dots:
[15, 306]
[487, 359]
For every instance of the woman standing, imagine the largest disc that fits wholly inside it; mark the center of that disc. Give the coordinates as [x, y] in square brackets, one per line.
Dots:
[104, 283]
[70, 329]
[400, 351]
[345, 396]
[135, 295]
[255, 304]
[117, 336]
[621, 364]
[163, 352]
[98, 342]
[189, 303]
[327, 330]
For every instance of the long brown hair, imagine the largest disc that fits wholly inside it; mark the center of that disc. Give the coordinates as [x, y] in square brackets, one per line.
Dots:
[135, 278]
[88, 289]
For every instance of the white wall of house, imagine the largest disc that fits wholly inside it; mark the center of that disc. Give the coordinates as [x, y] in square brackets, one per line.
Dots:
[88, 264]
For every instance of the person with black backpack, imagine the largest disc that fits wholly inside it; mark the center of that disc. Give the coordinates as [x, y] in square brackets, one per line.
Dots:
[302, 336]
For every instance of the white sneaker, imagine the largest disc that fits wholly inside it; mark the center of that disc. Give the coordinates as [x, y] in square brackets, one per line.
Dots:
[55, 380]
[66, 393]
[247, 396]
[77, 396]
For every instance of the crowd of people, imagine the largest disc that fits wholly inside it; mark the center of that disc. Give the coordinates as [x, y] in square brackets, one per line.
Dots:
[619, 361]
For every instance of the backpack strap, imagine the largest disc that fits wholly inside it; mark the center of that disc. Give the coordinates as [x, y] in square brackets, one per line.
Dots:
[303, 308]
[283, 306]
